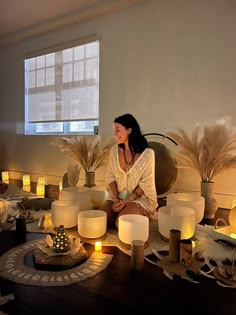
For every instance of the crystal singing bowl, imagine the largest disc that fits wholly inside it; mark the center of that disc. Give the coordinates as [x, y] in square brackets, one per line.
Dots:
[133, 227]
[194, 201]
[176, 218]
[92, 223]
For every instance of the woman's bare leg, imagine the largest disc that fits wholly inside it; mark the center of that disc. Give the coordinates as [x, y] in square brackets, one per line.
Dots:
[111, 215]
[131, 208]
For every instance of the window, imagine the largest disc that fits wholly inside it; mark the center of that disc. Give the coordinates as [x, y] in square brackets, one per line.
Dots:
[62, 91]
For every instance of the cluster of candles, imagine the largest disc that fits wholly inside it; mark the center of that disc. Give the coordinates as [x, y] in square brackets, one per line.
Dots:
[40, 188]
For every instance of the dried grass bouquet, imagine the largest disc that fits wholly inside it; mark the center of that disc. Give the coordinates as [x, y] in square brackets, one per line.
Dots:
[209, 154]
[89, 152]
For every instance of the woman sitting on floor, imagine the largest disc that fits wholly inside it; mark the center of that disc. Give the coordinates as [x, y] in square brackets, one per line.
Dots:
[130, 178]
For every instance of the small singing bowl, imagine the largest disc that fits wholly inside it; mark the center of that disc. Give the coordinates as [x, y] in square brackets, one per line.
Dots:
[177, 218]
[92, 223]
[64, 212]
[133, 227]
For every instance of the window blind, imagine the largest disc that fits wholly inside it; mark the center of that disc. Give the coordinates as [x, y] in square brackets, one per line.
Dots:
[63, 85]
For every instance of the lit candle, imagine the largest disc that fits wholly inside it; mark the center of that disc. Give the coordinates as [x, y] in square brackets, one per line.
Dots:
[5, 177]
[26, 180]
[193, 244]
[98, 246]
[40, 190]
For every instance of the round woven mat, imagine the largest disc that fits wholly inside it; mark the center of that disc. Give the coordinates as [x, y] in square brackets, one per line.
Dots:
[17, 265]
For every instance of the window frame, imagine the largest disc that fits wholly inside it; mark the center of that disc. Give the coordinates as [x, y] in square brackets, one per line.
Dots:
[30, 126]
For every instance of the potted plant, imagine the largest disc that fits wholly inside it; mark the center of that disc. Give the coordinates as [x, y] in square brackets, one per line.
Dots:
[90, 153]
[208, 153]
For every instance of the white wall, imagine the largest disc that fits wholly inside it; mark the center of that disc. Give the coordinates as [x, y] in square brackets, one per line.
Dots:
[169, 62]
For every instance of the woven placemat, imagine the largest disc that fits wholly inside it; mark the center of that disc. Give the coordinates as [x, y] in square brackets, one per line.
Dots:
[14, 267]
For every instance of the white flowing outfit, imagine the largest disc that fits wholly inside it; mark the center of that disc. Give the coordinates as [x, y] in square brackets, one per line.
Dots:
[142, 173]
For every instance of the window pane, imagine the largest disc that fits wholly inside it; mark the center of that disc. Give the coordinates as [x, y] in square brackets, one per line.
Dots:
[40, 61]
[50, 60]
[82, 126]
[80, 103]
[67, 55]
[40, 78]
[31, 64]
[91, 69]
[79, 71]
[42, 106]
[31, 79]
[91, 50]
[50, 76]
[79, 53]
[67, 72]
[49, 127]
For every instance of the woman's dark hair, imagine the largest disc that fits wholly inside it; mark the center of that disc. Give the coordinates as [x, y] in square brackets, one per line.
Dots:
[137, 142]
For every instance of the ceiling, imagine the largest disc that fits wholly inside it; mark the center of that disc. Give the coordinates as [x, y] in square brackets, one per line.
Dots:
[22, 19]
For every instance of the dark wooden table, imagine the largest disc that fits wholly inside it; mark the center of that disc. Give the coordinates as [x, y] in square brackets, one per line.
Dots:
[117, 289]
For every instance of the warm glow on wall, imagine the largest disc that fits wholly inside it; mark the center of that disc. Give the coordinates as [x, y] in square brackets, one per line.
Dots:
[5, 177]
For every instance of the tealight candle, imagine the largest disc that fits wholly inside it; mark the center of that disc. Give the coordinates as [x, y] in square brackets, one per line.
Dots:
[98, 246]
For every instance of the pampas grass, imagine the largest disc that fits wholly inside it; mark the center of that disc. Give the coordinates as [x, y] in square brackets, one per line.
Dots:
[89, 152]
[73, 171]
[209, 153]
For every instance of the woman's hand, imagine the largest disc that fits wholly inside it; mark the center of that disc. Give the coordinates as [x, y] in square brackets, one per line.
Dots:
[118, 205]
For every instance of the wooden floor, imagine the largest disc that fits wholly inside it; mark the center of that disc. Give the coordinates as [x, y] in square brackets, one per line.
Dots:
[117, 289]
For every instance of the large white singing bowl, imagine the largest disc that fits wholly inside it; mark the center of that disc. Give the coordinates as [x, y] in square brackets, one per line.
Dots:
[92, 223]
[78, 194]
[98, 195]
[194, 201]
[133, 227]
[176, 218]
[64, 212]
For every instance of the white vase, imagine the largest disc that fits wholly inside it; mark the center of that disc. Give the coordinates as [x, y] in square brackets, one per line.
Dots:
[207, 191]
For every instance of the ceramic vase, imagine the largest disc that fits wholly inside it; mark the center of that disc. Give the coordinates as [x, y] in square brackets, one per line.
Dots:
[207, 191]
[89, 179]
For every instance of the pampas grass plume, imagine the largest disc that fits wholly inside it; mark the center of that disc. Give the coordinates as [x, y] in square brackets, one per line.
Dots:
[209, 153]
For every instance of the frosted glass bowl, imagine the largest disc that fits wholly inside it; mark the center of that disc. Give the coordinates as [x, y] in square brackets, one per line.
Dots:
[77, 194]
[92, 223]
[177, 218]
[133, 227]
[64, 212]
[194, 201]
[98, 195]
